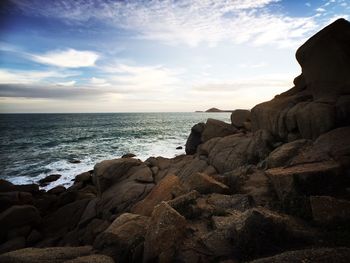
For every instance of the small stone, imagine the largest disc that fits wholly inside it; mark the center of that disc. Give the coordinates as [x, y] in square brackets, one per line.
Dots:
[128, 155]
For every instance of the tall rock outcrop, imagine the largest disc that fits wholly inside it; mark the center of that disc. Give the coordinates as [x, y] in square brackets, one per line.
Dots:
[320, 99]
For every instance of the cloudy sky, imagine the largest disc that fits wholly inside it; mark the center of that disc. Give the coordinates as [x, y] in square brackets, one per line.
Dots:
[126, 56]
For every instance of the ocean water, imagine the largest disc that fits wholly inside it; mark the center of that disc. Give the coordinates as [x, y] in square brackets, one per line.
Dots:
[33, 146]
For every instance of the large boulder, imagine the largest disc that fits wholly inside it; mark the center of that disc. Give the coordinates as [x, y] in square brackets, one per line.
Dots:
[8, 199]
[283, 155]
[45, 255]
[319, 101]
[231, 152]
[92, 259]
[49, 179]
[195, 138]
[122, 238]
[259, 232]
[164, 234]
[165, 190]
[319, 255]
[294, 184]
[18, 216]
[204, 184]
[239, 117]
[123, 182]
[327, 210]
[215, 128]
[324, 60]
[64, 219]
[109, 172]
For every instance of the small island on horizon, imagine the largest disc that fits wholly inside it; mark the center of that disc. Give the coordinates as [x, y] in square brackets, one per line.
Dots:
[215, 110]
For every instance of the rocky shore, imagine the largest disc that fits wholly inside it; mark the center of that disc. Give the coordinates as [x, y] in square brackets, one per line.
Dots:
[272, 186]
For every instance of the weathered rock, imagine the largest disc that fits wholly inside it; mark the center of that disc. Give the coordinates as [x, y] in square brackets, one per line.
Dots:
[314, 119]
[165, 232]
[49, 179]
[194, 139]
[45, 255]
[74, 161]
[293, 184]
[284, 154]
[313, 106]
[17, 216]
[215, 128]
[57, 190]
[275, 233]
[33, 237]
[95, 227]
[327, 210]
[123, 182]
[8, 199]
[185, 204]
[64, 219]
[13, 244]
[128, 155]
[309, 179]
[165, 190]
[219, 204]
[92, 259]
[123, 236]
[84, 177]
[22, 231]
[343, 111]
[331, 145]
[108, 172]
[204, 184]
[239, 117]
[6, 186]
[319, 255]
[326, 73]
[231, 152]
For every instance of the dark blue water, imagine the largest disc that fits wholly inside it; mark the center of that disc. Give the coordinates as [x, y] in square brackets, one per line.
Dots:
[35, 145]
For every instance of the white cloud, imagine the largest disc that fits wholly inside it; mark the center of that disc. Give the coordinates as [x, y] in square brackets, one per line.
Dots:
[261, 82]
[99, 82]
[67, 83]
[142, 78]
[69, 58]
[30, 76]
[184, 21]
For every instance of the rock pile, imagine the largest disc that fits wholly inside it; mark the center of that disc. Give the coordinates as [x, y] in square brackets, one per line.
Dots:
[273, 186]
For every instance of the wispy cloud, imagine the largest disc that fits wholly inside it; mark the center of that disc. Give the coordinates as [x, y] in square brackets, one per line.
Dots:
[185, 21]
[69, 58]
[31, 76]
[142, 78]
[258, 82]
[48, 91]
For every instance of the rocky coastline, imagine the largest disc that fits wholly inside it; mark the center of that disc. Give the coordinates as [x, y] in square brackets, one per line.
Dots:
[271, 186]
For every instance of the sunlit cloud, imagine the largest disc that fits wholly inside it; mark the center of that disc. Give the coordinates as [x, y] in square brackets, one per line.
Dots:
[258, 82]
[30, 76]
[184, 21]
[69, 58]
[142, 78]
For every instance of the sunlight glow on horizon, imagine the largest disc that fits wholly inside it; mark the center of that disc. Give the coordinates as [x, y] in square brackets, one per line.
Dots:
[106, 56]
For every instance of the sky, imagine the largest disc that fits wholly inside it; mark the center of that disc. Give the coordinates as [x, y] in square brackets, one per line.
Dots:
[152, 56]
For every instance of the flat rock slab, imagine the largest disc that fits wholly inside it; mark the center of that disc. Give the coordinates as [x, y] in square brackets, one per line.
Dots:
[311, 178]
[319, 255]
[326, 209]
[45, 255]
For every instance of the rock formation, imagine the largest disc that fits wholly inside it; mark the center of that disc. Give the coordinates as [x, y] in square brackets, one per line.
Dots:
[272, 186]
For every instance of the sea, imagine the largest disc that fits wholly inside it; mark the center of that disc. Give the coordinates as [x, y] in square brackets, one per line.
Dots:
[33, 146]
